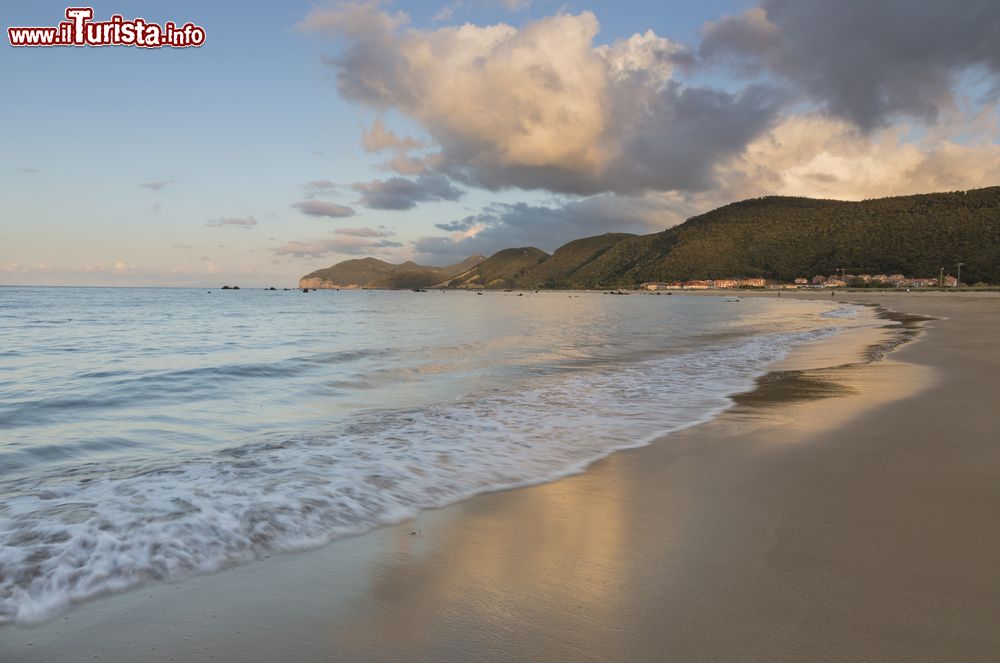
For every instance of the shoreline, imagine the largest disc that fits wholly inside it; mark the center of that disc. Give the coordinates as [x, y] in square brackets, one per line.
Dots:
[521, 573]
[861, 348]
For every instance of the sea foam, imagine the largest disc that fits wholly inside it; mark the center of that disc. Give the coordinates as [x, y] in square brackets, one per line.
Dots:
[73, 533]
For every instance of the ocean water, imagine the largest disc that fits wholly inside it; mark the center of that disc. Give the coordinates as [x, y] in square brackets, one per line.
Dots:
[152, 434]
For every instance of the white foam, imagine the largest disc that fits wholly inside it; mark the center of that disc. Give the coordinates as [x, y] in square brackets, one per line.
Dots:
[841, 312]
[75, 534]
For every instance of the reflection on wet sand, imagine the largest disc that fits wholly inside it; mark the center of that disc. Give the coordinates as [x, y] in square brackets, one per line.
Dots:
[561, 542]
[594, 558]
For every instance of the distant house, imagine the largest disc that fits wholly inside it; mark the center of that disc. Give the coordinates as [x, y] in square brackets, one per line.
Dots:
[752, 283]
[801, 281]
[950, 281]
[696, 285]
[661, 286]
[819, 280]
[725, 283]
[834, 282]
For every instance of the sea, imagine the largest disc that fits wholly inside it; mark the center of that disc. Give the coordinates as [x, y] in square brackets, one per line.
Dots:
[148, 435]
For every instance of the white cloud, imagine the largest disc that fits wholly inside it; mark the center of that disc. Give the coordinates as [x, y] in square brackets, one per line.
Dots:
[545, 106]
[379, 138]
[541, 106]
[815, 155]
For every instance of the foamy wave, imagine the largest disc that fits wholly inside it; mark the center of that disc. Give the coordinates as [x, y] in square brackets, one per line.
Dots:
[842, 312]
[94, 529]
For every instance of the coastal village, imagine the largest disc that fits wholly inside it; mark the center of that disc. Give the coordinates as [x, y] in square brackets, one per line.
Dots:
[818, 281]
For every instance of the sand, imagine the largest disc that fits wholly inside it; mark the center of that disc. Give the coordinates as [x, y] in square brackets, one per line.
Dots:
[834, 514]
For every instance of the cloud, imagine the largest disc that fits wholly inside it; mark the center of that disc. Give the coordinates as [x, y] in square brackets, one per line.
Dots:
[381, 231]
[815, 155]
[865, 61]
[27, 171]
[409, 165]
[621, 125]
[157, 185]
[348, 245]
[398, 193]
[240, 222]
[349, 241]
[503, 225]
[807, 154]
[324, 208]
[379, 138]
[116, 267]
[447, 11]
[543, 106]
[320, 188]
[191, 272]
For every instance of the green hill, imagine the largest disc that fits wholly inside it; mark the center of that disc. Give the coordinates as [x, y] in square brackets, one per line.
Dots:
[560, 270]
[375, 273]
[503, 269]
[784, 238]
[774, 237]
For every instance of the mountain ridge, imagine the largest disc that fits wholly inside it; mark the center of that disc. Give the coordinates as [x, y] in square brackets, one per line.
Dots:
[374, 273]
[773, 237]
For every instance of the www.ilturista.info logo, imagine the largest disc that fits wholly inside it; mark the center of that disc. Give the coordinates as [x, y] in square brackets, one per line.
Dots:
[80, 30]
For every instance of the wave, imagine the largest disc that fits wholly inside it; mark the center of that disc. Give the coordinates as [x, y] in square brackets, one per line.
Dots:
[76, 533]
[121, 388]
[842, 312]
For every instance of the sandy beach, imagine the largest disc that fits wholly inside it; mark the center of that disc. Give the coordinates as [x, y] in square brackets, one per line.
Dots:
[834, 514]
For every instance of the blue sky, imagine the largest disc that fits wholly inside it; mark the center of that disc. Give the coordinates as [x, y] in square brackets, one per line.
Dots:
[121, 166]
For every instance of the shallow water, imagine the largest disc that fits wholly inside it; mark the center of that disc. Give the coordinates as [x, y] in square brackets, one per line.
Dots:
[148, 434]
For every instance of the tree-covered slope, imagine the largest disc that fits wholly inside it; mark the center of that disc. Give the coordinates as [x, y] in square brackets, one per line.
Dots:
[775, 237]
[374, 273]
[784, 238]
[559, 271]
[501, 270]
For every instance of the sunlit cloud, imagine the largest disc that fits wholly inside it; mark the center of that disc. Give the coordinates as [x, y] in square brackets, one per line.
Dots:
[365, 232]
[379, 138]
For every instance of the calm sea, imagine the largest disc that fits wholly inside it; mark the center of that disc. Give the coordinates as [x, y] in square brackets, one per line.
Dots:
[150, 434]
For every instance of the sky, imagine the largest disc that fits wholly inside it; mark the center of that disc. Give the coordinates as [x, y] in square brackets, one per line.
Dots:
[302, 134]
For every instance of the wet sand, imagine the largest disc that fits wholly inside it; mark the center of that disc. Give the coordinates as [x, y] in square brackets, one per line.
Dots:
[834, 514]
